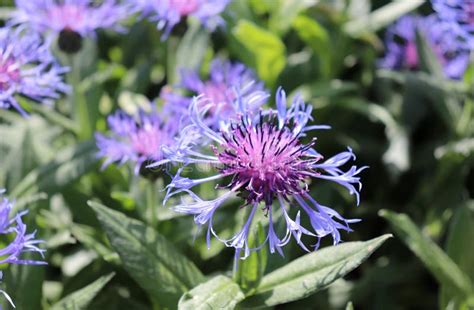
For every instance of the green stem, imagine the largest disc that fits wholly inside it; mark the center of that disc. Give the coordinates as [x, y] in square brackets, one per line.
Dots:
[152, 202]
[78, 103]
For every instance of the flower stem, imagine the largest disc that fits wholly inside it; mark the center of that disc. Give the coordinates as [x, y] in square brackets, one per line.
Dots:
[78, 102]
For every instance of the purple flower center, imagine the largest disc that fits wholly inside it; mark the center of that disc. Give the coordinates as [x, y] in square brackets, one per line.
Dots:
[184, 7]
[147, 141]
[265, 160]
[220, 96]
[9, 71]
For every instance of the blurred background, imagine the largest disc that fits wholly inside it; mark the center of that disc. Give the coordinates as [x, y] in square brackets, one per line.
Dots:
[412, 125]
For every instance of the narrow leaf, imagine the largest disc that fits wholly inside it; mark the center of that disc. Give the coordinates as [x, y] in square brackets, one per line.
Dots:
[82, 298]
[68, 166]
[428, 60]
[192, 48]
[312, 272]
[462, 229]
[218, 293]
[441, 266]
[148, 257]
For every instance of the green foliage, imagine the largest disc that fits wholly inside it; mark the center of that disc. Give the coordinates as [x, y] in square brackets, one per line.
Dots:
[217, 293]
[148, 257]
[83, 297]
[311, 273]
[443, 268]
[267, 48]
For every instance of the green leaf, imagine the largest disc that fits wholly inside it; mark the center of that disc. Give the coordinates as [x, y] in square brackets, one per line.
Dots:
[462, 229]
[24, 284]
[148, 257]
[438, 263]
[251, 270]
[285, 13]
[428, 60]
[82, 298]
[312, 272]
[313, 34]
[192, 48]
[218, 293]
[68, 166]
[268, 49]
[381, 17]
[349, 306]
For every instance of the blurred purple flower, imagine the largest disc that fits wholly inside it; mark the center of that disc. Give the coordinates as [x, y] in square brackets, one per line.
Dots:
[28, 69]
[83, 17]
[267, 164]
[401, 47]
[458, 18]
[230, 89]
[22, 241]
[138, 138]
[169, 13]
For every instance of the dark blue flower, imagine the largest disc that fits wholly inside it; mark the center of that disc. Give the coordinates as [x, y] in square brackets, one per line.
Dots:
[401, 48]
[80, 16]
[168, 13]
[267, 165]
[458, 19]
[230, 89]
[136, 138]
[27, 68]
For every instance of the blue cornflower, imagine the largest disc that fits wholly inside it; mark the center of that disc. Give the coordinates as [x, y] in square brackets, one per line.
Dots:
[169, 13]
[458, 18]
[28, 69]
[269, 166]
[21, 243]
[229, 88]
[83, 17]
[401, 48]
[136, 138]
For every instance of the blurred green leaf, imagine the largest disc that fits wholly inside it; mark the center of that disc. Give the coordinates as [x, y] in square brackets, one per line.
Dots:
[250, 271]
[91, 239]
[312, 272]
[69, 165]
[428, 60]
[192, 48]
[315, 36]
[148, 257]
[349, 306]
[397, 153]
[462, 229]
[82, 298]
[268, 49]
[438, 263]
[217, 293]
[381, 17]
[285, 11]
[24, 285]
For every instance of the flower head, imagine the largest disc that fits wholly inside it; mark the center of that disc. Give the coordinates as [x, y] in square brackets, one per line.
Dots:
[458, 18]
[136, 138]
[230, 90]
[80, 16]
[169, 13]
[402, 52]
[268, 165]
[22, 241]
[28, 69]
